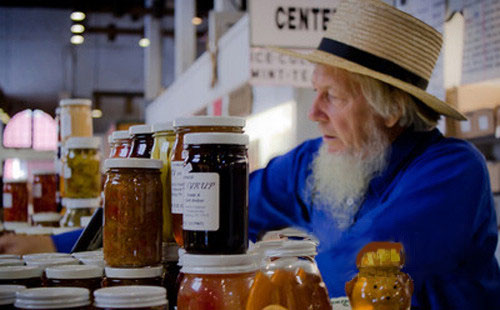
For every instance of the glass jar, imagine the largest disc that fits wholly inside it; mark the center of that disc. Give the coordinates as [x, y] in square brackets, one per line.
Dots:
[133, 276]
[131, 297]
[219, 282]
[63, 298]
[142, 141]
[184, 126]
[82, 175]
[78, 208]
[8, 295]
[164, 138]
[171, 266]
[28, 276]
[86, 276]
[76, 118]
[121, 144]
[15, 200]
[44, 191]
[290, 279]
[132, 204]
[215, 216]
[46, 219]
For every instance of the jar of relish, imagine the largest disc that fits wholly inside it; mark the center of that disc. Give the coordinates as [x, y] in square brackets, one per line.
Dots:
[15, 200]
[44, 191]
[133, 276]
[120, 143]
[142, 141]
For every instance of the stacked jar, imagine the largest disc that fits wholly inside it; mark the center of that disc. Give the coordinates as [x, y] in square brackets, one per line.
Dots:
[44, 191]
[142, 141]
[120, 144]
[15, 201]
[77, 209]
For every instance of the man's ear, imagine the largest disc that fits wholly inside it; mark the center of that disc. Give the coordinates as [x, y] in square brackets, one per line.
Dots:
[393, 119]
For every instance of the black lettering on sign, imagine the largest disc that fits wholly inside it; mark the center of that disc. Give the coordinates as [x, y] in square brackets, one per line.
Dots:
[291, 18]
[303, 18]
[279, 11]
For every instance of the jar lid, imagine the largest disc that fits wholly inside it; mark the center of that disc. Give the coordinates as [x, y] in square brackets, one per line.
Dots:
[49, 262]
[74, 272]
[170, 252]
[75, 101]
[81, 203]
[20, 272]
[181, 253]
[11, 262]
[83, 143]
[52, 298]
[205, 121]
[78, 255]
[93, 261]
[293, 248]
[10, 256]
[44, 255]
[17, 180]
[38, 230]
[216, 138]
[120, 134]
[46, 217]
[133, 296]
[8, 293]
[138, 163]
[219, 264]
[140, 129]
[133, 273]
[167, 126]
[14, 225]
[44, 171]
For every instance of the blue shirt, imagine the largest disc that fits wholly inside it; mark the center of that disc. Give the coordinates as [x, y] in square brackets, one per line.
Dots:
[434, 197]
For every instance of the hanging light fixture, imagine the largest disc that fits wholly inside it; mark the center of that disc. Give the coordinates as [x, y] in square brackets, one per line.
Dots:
[77, 16]
[144, 42]
[77, 39]
[77, 28]
[197, 21]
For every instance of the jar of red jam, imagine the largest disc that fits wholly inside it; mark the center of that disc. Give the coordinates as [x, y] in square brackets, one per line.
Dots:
[21, 275]
[133, 276]
[132, 213]
[86, 276]
[8, 295]
[131, 297]
[142, 141]
[120, 144]
[44, 191]
[184, 126]
[61, 298]
[15, 200]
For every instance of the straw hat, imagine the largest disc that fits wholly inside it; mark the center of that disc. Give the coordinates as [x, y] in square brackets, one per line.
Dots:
[372, 38]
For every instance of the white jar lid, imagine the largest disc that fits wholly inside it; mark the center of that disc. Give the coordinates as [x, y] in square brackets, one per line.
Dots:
[46, 217]
[167, 126]
[44, 171]
[74, 272]
[49, 262]
[181, 253]
[44, 255]
[18, 180]
[140, 129]
[137, 163]
[219, 264]
[93, 261]
[293, 248]
[205, 121]
[52, 298]
[15, 225]
[11, 262]
[38, 230]
[83, 143]
[20, 272]
[120, 134]
[8, 293]
[134, 273]
[81, 203]
[97, 253]
[10, 256]
[133, 296]
[75, 101]
[216, 138]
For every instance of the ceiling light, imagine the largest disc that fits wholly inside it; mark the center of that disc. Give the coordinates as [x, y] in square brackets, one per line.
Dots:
[77, 16]
[96, 113]
[196, 21]
[144, 42]
[77, 28]
[77, 39]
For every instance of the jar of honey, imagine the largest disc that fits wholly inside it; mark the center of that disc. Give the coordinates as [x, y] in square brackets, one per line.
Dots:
[15, 200]
[120, 143]
[76, 209]
[8, 295]
[75, 118]
[63, 298]
[44, 191]
[142, 141]
[86, 276]
[131, 297]
[184, 126]
[133, 276]
[21, 275]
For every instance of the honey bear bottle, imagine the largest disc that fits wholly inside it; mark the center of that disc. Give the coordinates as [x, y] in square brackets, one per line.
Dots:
[380, 284]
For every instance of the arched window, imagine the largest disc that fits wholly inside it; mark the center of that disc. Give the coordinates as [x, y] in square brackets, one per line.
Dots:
[17, 133]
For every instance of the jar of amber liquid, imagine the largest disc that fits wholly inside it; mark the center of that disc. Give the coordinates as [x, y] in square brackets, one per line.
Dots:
[63, 298]
[76, 209]
[131, 297]
[164, 138]
[142, 141]
[184, 126]
[219, 282]
[81, 168]
[15, 200]
[86, 276]
[44, 191]
[120, 143]
[215, 219]
[8, 295]
[21, 275]
[75, 118]
[133, 276]
[132, 212]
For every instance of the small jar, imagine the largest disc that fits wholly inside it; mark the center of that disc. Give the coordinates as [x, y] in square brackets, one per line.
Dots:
[215, 216]
[15, 200]
[184, 126]
[133, 276]
[28, 276]
[76, 118]
[142, 141]
[164, 138]
[86, 276]
[221, 281]
[46, 219]
[120, 143]
[132, 204]
[44, 191]
[172, 268]
[78, 208]
[8, 295]
[131, 297]
[82, 175]
[63, 298]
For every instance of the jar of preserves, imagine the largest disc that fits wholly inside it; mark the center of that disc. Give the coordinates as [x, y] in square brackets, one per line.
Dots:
[132, 204]
[86, 276]
[215, 216]
[28, 276]
[8, 295]
[15, 200]
[78, 208]
[216, 281]
[184, 126]
[142, 141]
[133, 276]
[82, 174]
[63, 298]
[76, 118]
[46, 219]
[164, 138]
[131, 297]
[120, 144]
[171, 266]
[44, 191]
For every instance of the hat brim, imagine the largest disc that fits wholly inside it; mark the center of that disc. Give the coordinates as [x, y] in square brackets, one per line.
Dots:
[325, 58]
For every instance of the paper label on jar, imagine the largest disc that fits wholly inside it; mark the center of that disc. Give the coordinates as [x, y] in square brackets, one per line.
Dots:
[177, 191]
[65, 125]
[37, 190]
[67, 172]
[201, 203]
[7, 200]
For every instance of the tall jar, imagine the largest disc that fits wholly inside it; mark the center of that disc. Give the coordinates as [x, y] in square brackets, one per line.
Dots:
[61, 298]
[183, 126]
[75, 118]
[132, 212]
[76, 209]
[142, 141]
[44, 191]
[164, 138]
[131, 297]
[121, 143]
[82, 175]
[215, 219]
[15, 200]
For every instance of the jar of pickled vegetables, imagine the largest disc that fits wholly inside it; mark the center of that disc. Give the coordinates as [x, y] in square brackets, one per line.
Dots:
[219, 282]
[15, 200]
[86, 276]
[76, 118]
[8, 295]
[132, 212]
[21, 275]
[46, 219]
[183, 126]
[44, 191]
[133, 276]
[131, 297]
[78, 208]
[142, 141]
[164, 138]
[121, 143]
[63, 298]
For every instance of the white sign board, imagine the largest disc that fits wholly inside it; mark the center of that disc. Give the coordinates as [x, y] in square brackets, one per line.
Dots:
[289, 23]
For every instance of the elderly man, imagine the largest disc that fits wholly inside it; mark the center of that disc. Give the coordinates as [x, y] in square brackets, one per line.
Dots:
[381, 171]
